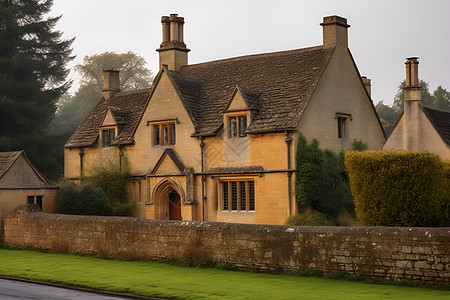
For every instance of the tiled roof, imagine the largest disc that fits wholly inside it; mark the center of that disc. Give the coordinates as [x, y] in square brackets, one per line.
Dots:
[441, 121]
[126, 108]
[277, 86]
[7, 159]
[284, 80]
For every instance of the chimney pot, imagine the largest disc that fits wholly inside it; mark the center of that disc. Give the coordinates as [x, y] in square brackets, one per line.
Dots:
[172, 51]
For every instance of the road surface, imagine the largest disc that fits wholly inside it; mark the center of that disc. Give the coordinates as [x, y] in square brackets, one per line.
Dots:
[15, 290]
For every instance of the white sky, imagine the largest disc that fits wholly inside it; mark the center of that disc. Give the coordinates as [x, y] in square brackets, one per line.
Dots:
[382, 33]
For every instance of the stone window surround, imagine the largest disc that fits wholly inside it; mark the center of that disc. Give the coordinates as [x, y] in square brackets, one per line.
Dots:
[250, 194]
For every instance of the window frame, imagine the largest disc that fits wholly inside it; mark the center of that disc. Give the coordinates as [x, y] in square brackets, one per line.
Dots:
[106, 137]
[163, 133]
[230, 198]
[343, 125]
[237, 124]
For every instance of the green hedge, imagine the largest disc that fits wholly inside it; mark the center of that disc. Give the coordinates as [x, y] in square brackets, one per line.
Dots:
[321, 182]
[83, 200]
[397, 188]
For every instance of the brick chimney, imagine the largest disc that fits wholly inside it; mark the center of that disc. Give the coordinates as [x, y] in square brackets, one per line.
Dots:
[412, 98]
[172, 51]
[367, 85]
[335, 31]
[111, 83]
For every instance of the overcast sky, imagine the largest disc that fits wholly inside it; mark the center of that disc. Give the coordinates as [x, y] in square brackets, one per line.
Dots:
[382, 33]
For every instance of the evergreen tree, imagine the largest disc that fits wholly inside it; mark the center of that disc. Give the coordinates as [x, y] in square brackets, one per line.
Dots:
[442, 97]
[33, 60]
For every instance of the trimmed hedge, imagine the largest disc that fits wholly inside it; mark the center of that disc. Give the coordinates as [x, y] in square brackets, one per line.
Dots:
[397, 188]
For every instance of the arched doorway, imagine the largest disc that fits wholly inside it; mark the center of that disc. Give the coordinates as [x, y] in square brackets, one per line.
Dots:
[168, 197]
[174, 206]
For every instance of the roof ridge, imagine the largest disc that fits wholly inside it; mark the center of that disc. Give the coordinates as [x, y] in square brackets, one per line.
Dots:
[256, 55]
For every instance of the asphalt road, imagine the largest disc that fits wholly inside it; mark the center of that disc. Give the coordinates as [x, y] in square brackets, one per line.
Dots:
[14, 290]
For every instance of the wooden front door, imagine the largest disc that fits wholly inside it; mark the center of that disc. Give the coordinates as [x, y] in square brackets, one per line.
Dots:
[174, 206]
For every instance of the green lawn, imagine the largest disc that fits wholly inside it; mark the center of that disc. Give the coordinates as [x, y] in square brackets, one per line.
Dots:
[163, 280]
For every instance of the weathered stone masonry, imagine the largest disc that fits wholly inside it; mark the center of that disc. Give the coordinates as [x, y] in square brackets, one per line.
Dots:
[392, 253]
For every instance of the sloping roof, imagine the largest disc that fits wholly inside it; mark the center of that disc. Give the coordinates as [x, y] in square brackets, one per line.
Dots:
[441, 122]
[276, 85]
[281, 81]
[7, 159]
[126, 108]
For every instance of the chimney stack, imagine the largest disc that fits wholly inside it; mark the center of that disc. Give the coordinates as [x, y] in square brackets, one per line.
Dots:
[335, 31]
[412, 89]
[111, 83]
[412, 98]
[172, 51]
[367, 85]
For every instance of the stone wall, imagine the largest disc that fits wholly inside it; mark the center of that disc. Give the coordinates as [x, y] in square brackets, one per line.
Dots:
[413, 254]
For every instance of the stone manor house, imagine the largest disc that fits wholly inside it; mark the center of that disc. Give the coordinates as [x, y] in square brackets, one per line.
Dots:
[216, 141]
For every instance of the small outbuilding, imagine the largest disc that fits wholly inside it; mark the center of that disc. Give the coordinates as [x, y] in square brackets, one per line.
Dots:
[22, 183]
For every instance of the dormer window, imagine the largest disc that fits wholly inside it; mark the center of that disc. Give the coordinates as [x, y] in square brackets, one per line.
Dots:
[237, 125]
[108, 136]
[164, 134]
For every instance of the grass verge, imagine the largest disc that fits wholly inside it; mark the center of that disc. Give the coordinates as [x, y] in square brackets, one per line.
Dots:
[165, 280]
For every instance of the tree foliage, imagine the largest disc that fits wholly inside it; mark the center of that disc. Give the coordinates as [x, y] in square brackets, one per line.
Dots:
[73, 109]
[133, 73]
[33, 70]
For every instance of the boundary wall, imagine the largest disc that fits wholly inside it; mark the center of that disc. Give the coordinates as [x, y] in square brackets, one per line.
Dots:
[415, 254]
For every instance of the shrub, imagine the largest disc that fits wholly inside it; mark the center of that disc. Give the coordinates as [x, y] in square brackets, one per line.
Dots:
[112, 177]
[83, 200]
[445, 212]
[359, 145]
[312, 218]
[396, 188]
[321, 182]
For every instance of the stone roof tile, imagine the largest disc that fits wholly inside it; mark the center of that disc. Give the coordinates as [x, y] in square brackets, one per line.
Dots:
[7, 159]
[277, 85]
[126, 108]
[441, 121]
[285, 81]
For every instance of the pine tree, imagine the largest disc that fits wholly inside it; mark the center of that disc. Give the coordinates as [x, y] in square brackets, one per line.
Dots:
[33, 71]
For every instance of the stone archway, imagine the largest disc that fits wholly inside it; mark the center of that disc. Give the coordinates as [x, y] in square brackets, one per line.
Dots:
[168, 197]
